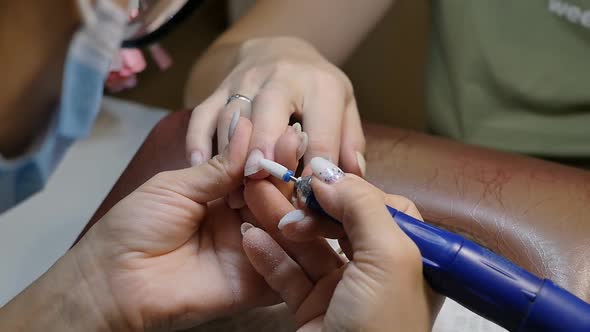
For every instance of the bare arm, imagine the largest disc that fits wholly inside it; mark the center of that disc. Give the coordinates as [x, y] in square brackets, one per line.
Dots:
[333, 27]
[63, 299]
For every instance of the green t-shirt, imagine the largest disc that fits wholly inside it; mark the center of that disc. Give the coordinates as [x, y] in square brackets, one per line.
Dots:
[512, 74]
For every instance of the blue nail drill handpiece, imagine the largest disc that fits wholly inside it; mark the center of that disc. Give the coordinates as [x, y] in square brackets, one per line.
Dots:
[480, 280]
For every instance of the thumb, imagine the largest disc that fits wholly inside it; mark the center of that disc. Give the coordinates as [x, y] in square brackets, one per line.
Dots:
[214, 179]
[361, 208]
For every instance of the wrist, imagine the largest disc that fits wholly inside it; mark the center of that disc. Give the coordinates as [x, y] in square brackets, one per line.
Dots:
[209, 71]
[65, 298]
[93, 286]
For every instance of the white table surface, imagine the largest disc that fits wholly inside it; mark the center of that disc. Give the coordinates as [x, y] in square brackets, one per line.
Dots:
[36, 233]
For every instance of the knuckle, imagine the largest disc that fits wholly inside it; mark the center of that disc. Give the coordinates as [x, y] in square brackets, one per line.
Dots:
[222, 167]
[404, 204]
[285, 67]
[160, 178]
[325, 76]
[251, 76]
[404, 254]
[330, 75]
[323, 145]
[162, 182]
[268, 96]
[359, 199]
[247, 45]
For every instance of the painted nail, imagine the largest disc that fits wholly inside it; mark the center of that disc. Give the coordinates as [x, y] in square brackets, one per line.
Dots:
[245, 227]
[197, 158]
[253, 162]
[303, 145]
[292, 217]
[297, 127]
[233, 124]
[360, 159]
[325, 170]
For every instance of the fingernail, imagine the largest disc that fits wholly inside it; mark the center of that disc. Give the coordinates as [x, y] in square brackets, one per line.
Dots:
[325, 170]
[253, 162]
[235, 200]
[233, 124]
[360, 159]
[245, 227]
[292, 217]
[303, 145]
[197, 158]
[297, 127]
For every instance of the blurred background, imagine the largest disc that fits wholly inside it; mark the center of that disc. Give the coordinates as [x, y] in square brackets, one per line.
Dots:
[387, 71]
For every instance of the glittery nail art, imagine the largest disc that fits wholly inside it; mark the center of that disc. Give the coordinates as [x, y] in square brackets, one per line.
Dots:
[325, 170]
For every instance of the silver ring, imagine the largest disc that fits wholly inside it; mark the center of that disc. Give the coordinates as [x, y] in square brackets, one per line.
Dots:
[240, 97]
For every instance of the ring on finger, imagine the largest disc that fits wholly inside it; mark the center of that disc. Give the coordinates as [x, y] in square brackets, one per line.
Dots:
[239, 97]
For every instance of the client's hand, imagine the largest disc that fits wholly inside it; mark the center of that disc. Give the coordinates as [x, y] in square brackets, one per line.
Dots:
[281, 76]
[380, 289]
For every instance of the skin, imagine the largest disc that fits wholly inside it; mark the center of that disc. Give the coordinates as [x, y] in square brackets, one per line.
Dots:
[282, 55]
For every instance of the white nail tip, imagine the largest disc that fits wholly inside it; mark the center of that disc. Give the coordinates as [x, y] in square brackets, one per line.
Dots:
[253, 162]
[303, 145]
[275, 169]
[233, 124]
[297, 127]
[362, 163]
[197, 158]
[292, 217]
[326, 170]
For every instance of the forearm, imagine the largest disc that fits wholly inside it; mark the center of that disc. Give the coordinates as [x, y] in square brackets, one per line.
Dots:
[62, 299]
[333, 27]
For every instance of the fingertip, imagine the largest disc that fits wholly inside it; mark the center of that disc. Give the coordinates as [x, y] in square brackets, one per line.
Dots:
[236, 150]
[253, 168]
[202, 125]
[235, 199]
[196, 158]
[290, 147]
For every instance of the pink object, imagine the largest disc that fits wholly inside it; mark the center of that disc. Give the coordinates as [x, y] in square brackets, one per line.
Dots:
[160, 56]
[129, 62]
[124, 69]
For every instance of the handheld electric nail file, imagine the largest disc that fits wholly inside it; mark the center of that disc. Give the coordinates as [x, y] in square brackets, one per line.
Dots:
[478, 279]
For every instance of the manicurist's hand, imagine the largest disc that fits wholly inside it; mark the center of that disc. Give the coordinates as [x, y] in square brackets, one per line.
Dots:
[167, 256]
[170, 253]
[380, 289]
